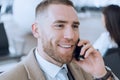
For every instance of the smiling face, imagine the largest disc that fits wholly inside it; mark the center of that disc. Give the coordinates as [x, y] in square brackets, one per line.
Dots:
[58, 33]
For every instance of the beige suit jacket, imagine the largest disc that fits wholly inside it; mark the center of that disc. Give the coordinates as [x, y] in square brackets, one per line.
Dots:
[28, 69]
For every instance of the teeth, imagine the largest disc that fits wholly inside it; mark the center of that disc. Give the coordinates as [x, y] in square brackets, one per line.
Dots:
[66, 46]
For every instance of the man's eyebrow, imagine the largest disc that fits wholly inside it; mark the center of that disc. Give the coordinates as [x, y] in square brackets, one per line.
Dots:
[76, 22]
[61, 21]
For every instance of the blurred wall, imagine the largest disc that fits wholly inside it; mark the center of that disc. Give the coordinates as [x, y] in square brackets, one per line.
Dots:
[23, 13]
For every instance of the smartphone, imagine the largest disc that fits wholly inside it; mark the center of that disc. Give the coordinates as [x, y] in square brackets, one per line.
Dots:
[77, 52]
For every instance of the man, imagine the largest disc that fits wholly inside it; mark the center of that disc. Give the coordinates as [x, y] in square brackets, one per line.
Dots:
[57, 31]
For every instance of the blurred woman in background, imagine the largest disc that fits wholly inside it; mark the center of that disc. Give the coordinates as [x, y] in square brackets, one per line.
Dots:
[111, 21]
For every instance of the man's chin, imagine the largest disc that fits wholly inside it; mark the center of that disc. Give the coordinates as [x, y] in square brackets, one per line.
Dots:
[68, 60]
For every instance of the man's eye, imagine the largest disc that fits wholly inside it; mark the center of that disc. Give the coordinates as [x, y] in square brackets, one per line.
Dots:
[59, 26]
[75, 26]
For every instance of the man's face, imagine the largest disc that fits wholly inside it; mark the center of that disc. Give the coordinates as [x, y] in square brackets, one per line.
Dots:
[60, 32]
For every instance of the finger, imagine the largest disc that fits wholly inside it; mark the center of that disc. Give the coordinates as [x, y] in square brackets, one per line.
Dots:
[93, 52]
[85, 48]
[83, 42]
[89, 52]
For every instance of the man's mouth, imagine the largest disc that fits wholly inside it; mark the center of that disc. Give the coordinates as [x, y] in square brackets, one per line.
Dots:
[66, 46]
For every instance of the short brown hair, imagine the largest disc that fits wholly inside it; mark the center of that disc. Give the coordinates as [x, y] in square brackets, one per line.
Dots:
[45, 4]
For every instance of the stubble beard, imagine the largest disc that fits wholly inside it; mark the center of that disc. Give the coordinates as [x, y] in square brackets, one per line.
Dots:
[52, 52]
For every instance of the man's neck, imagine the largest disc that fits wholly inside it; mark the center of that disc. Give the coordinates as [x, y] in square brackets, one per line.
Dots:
[48, 58]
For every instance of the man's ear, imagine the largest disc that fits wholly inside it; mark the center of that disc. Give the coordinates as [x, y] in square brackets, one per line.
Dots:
[35, 30]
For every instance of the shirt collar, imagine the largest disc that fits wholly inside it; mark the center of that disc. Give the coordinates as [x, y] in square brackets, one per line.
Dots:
[49, 68]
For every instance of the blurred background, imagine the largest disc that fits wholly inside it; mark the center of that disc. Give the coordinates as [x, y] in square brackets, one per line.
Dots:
[18, 16]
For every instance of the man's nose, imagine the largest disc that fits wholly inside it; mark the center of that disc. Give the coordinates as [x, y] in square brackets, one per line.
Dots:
[69, 33]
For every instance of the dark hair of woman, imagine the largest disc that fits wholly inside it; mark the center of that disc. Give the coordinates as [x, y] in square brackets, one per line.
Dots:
[112, 22]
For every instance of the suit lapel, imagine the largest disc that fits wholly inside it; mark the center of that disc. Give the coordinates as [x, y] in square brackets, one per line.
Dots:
[32, 67]
[78, 73]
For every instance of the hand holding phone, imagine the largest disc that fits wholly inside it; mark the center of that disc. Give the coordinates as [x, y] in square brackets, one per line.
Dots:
[77, 53]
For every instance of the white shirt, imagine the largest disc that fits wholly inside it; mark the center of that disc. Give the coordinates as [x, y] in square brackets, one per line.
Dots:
[50, 70]
[104, 42]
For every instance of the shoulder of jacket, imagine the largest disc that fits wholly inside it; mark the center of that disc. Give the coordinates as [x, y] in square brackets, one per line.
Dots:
[18, 72]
